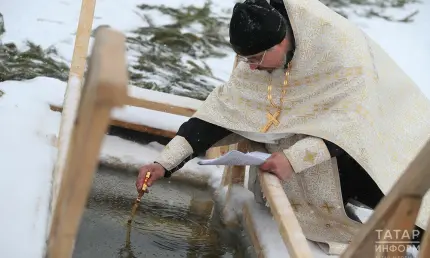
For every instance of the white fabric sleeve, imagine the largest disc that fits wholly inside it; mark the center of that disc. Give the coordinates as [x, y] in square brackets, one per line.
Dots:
[177, 150]
[307, 153]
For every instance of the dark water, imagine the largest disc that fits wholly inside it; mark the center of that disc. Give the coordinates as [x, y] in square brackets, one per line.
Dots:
[173, 220]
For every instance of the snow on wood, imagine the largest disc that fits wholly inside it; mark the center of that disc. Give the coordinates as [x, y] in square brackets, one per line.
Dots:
[161, 97]
[65, 132]
[260, 227]
[137, 93]
[104, 88]
[73, 92]
[138, 118]
[284, 215]
[27, 135]
[128, 155]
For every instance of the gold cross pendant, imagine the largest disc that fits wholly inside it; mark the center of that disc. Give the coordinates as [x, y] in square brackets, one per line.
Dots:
[272, 120]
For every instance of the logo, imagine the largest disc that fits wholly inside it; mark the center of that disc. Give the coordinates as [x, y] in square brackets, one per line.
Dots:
[395, 241]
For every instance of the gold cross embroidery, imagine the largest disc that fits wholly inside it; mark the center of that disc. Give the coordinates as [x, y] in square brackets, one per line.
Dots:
[295, 205]
[272, 119]
[326, 206]
[309, 156]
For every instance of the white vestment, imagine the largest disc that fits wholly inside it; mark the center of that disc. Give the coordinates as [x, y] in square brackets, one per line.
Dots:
[342, 88]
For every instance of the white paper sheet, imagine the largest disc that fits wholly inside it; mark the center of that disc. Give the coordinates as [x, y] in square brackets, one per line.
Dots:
[238, 158]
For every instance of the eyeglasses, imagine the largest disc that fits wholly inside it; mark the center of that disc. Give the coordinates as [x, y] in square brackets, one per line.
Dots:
[254, 59]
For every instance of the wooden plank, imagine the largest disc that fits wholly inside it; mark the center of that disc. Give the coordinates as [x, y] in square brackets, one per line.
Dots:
[402, 220]
[73, 91]
[143, 128]
[104, 89]
[283, 214]
[148, 104]
[226, 176]
[249, 226]
[384, 241]
[414, 182]
[237, 174]
[132, 126]
[233, 175]
[162, 107]
[213, 153]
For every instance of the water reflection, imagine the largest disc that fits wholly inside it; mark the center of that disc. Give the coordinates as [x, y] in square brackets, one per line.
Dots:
[182, 230]
[126, 251]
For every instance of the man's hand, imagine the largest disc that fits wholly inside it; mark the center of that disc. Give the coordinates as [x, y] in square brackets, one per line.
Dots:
[157, 171]
[279, 165]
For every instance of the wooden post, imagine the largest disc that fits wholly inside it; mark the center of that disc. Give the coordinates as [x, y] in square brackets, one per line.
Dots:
[233, 175]
[252, 232]
[73, 91]
[104, 89]
[398, 210]
[284, 215]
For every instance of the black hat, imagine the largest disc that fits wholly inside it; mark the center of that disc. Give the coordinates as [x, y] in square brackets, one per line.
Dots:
[255, 26]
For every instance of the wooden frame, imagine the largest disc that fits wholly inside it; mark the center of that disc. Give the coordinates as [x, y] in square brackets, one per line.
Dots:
[283, 213]
[104, 89]
[397, 211]
[73, 91]
[131, 126]
[86, 116]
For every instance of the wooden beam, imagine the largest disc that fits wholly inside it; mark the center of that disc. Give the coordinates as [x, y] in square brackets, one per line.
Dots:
[401, 220]
[157, 106]
[143, 128]
[233, 175]
[249, 225]
[104, 89]
[73, 90]
[131, 126]
[284, 215]
[413, 183]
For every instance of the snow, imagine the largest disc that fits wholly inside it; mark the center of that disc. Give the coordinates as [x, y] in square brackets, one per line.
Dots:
[407, 44]
[65, 134]
[120, 153]
[25, 115]
[26, 163]
[264, 225]
[54, 23]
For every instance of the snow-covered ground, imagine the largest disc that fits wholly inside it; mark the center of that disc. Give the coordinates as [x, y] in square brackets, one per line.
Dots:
[51, 22]
[28, 128]
[28, 134]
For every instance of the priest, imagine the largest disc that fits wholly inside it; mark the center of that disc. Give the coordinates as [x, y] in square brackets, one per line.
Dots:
[341, 120]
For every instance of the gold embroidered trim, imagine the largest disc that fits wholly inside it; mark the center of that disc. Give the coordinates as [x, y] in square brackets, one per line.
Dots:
[307, 153]
[341, 94]
[174, 153]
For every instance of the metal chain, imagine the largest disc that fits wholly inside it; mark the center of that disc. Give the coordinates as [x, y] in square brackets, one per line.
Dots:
[284, 90]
